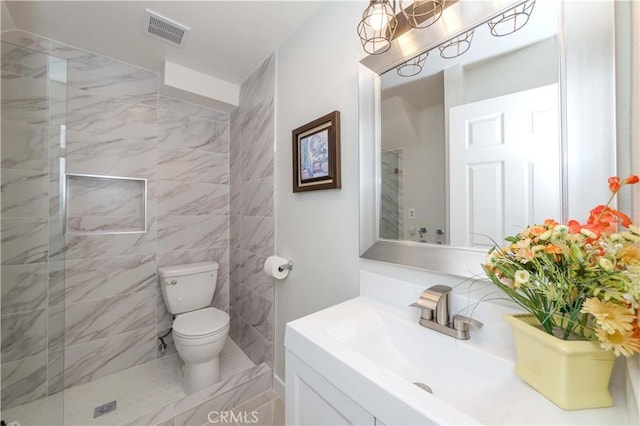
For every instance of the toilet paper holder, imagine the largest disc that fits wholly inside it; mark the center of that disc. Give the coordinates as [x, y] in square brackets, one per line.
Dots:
[286, 267]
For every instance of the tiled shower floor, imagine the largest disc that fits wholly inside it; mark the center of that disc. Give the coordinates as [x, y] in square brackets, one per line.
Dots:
[137, 391]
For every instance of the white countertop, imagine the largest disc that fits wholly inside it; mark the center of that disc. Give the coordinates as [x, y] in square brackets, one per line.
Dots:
[379, 378]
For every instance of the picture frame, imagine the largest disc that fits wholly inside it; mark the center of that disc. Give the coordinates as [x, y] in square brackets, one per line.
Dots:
[316, 154]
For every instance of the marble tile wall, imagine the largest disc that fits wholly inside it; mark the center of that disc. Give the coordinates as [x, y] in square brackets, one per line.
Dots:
[252, 226]
[105, 283]
[193, 195]
[25, 211]
[392, 206]
[91, 303]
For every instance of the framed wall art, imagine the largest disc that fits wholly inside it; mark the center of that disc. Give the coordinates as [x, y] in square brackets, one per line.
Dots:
[316, 154]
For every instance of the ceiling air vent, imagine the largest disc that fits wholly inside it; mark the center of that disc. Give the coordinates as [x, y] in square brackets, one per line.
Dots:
[165, 29]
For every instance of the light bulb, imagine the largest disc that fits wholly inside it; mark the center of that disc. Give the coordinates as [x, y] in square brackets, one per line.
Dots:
[377, 18]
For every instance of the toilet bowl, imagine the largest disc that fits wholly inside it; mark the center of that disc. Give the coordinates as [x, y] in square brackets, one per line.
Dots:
[199, 331]
[199, 337]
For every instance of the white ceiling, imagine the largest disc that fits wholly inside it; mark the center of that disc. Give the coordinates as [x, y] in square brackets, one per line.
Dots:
[228, 40]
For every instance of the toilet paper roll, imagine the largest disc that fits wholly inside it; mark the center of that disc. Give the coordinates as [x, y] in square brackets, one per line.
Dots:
[273, 267]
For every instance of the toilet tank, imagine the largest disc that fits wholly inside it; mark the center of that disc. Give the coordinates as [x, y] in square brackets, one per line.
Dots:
[188, 287]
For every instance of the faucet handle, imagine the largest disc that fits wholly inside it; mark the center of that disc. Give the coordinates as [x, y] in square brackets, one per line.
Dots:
[426, 313]
[462, 323]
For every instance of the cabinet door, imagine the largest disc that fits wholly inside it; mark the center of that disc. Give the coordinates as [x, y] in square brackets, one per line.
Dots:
[313, 400]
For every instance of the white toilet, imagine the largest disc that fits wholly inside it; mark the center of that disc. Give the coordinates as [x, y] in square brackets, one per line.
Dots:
[199, 331]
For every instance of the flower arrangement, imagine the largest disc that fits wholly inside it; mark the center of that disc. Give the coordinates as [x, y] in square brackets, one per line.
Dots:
[581, 281]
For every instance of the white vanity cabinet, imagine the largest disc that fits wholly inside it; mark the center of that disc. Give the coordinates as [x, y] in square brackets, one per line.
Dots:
[313, 400]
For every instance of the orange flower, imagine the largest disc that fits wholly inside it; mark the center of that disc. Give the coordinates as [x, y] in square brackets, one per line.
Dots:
[537, 230]
[636, 326]
[553, 249]
[605, 216]
[574, 226]
[550, 223]
[602, 220]
[523, 255]
[614, 184]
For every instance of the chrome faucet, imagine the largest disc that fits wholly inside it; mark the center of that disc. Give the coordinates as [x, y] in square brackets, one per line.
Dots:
[434, 304]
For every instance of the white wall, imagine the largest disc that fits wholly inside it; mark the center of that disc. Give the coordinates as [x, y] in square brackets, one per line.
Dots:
[400, 124]
[317, 230]
[199, 88]
[424, 164]
[506, 73]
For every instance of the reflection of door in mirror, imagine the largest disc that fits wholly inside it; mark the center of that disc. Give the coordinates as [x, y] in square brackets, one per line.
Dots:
[472, 198]
[392, 210]
[504, 165]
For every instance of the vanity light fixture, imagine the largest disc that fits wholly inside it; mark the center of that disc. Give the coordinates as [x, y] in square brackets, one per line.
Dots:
[456, 46]
[413, 66]
[512, 20]
[422, 13]
[377, 26]
[380, 23]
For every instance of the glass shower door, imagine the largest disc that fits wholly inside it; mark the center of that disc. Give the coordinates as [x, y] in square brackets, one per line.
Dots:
[32, 273]
[391, 210]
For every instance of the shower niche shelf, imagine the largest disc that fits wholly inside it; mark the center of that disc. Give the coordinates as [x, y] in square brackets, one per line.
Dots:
[97, 204]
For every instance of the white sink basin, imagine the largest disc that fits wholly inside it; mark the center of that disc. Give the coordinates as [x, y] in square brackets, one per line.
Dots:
[453, 370]
[375, 353]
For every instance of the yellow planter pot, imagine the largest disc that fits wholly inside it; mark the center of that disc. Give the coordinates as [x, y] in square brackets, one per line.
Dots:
[572, 374]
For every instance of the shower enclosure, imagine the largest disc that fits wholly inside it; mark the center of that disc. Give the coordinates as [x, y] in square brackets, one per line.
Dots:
[34, 109]
[103, 181]
[392, 200]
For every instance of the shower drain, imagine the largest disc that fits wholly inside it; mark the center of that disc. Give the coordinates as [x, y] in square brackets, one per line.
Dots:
[103, 409]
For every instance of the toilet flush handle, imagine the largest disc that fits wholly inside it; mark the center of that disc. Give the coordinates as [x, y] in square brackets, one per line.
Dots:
[172, 282]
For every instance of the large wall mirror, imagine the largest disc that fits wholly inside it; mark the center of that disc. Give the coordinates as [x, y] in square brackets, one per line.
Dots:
[493, 133]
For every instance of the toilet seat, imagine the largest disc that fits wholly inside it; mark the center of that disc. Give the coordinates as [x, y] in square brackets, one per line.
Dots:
[201, 323]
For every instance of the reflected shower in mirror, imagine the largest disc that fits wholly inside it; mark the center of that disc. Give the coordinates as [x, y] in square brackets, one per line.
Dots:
[471, 144]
